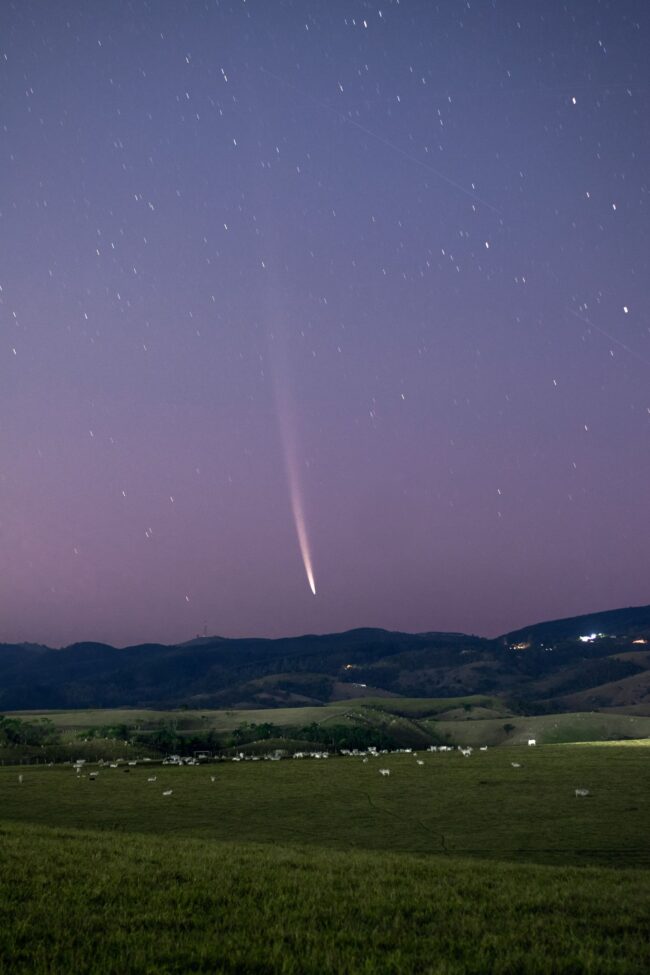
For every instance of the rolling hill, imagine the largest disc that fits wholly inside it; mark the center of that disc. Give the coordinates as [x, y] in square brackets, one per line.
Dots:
[591, 662]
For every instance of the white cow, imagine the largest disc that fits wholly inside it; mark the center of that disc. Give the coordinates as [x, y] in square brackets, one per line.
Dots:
[168, 792]
[532, 741]
[581, 792]
[515, 764]
[384, 771]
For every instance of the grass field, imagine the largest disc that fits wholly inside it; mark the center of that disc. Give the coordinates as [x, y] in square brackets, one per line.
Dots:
[93, 903]
[545, 728]
[457, 865]
[226, 720]
[480, 806]
[476, 721]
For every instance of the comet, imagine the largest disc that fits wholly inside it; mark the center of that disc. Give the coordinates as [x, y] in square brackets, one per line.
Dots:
[289, 439]
[299, 519]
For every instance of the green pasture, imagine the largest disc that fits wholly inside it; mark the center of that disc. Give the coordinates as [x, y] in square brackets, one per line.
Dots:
[476, 721]
[545, 728]
[98, 903]
[227, 720]
[631, 743]
[310, 866]
[480, 806]
[466, 708]
[185, 720]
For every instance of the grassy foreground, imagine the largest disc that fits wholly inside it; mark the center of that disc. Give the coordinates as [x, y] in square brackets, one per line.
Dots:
[89, 902]
[454, 866]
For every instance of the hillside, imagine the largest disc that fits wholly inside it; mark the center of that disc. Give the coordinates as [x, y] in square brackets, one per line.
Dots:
[631, 622]
[583, 663]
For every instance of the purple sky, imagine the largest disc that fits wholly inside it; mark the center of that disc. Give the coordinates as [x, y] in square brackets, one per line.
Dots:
[383, 263]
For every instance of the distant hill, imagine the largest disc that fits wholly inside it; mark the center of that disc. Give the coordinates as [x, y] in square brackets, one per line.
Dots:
[538, 668]
[633, 621]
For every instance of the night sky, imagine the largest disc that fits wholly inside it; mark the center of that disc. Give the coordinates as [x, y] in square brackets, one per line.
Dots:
[302, 291]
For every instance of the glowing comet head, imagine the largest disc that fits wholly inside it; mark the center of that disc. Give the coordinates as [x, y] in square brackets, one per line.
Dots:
[312, 584]
[301, 530]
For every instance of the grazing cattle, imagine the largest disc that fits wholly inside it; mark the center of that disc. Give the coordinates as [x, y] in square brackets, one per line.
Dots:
[515, 764]
[420, 762]
[93, 775]
[20, 780]
[483, 748]
[168, 792]
[213, 778]
[532, 741]
[582, 793]
[384, 771]
[152, 778]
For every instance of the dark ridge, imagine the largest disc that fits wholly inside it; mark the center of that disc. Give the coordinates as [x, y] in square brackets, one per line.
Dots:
[531, 666]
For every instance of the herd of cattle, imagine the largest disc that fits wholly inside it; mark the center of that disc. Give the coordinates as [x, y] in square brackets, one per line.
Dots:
[365, 755]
